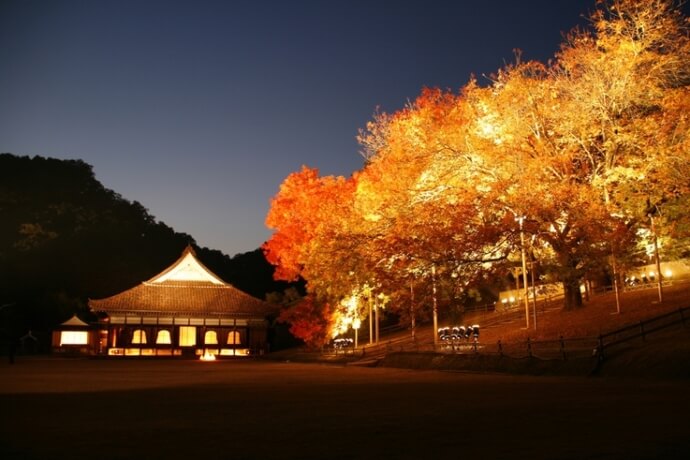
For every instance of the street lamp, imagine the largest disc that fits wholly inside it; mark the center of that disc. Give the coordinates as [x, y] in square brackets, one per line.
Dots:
[615, 283]
[534, 286]
[377, 306]
[656, 256]
[520, 220]
[371, 317]
[433, 287]
[355, 325]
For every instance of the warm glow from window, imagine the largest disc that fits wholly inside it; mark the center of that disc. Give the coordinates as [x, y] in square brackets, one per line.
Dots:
[207, 356]
[139, 336]
[187, 336]
[233, 338]
[211, 338]
[74, 338]
[163, 337]
[234, 352]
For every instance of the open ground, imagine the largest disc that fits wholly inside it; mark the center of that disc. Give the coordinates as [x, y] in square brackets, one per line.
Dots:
[108, 409]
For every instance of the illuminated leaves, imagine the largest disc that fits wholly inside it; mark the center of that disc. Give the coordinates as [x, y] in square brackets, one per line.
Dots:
[310, 321]
[304, 206]
[577, 147]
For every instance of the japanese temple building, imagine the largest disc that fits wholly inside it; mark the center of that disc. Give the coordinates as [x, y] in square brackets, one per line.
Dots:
[186, 310]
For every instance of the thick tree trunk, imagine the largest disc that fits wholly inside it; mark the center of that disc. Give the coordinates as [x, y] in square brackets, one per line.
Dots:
[572, 294]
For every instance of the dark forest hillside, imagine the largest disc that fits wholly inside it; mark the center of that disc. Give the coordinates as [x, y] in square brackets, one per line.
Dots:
[65, 238]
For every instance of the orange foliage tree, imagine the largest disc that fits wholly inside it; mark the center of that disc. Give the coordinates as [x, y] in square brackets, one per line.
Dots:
[309, 320]
[418, 191]
[304, 214]
[304, 206]
[578, 147]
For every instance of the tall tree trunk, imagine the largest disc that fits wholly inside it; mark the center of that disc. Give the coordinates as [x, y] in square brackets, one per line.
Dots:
[572, 294]
[570, 277]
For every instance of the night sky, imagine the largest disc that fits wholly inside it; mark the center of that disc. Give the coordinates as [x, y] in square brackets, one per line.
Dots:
[199, 109]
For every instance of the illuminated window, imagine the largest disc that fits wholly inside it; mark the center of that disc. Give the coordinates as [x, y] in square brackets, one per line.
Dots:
[139, 336]
[211, 338]
[234, 338]
[74, 338]
[187, 336]
[163, 337]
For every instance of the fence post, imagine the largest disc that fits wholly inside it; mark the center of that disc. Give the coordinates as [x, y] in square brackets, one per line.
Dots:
[529, 347]
[563, 349]
[600, 348]
[475, 347]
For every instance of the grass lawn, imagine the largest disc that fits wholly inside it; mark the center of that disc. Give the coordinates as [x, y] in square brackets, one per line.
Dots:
[597, 316]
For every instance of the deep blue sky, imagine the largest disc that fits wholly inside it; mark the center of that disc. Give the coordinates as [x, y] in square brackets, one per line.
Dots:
[199, 109]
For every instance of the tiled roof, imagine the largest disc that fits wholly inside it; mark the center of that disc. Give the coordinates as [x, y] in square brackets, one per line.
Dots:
[179, 296]
[184, 298]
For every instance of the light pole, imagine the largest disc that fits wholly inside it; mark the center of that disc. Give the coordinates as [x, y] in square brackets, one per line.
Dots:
[433, 290]
[356, 323]
[376, 313]
[656, 256]
[413, 325]
[615, 283]
[520, 219]
[371, 318]
[534, 287]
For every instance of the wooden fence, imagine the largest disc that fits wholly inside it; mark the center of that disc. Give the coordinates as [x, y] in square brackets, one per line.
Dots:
[641, 330]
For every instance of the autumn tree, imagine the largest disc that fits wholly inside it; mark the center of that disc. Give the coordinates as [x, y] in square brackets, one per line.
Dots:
[625, 80]
[420, 193]
[579, 139]
[623, 84]
[309, 320]
[314, 240]
[303, 207]
[578, 150]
